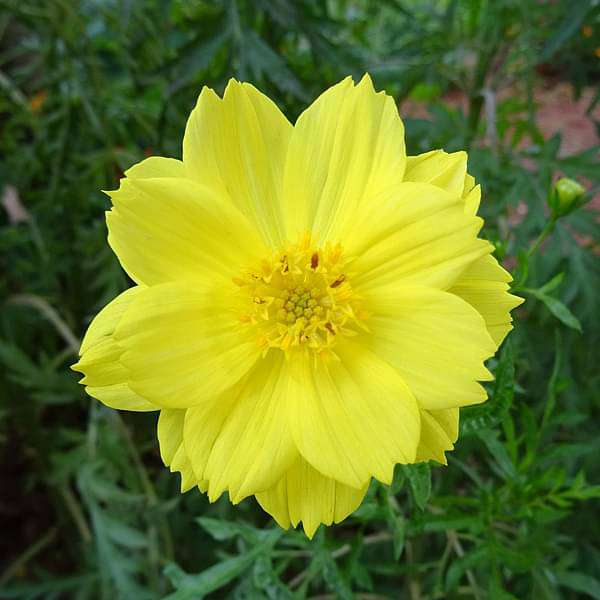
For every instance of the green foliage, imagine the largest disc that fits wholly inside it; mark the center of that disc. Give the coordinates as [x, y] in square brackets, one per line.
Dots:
[88, 87]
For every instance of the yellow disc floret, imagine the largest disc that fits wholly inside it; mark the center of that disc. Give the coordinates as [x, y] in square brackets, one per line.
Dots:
[300, 297]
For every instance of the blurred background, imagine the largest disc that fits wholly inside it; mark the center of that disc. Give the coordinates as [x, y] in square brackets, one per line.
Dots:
[89, 87]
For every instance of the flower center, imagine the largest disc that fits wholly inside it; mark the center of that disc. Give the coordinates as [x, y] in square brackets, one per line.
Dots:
[300, 297]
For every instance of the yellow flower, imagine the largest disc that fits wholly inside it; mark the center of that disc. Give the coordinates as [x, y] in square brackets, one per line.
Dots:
[312, 306]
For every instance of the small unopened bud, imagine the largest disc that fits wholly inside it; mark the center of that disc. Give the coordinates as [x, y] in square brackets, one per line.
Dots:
[565, 196]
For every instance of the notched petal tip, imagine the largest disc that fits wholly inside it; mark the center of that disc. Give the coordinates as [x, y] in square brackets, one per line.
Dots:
[516, 300]
[233, 87]
[366, 84]
[343, 85]
[310, 531]
[186, 485]
[304, 495]
[214, 495]
[366, 81]
[439, 430]
[204, 92]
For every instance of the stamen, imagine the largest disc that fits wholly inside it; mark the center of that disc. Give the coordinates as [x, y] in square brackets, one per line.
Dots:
[338, 281]
[296, 299]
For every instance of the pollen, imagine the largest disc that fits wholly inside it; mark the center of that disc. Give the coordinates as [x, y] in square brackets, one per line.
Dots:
[301, 298]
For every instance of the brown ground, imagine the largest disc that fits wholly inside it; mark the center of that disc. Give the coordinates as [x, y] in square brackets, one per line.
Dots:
[560, 111]
[557, 111]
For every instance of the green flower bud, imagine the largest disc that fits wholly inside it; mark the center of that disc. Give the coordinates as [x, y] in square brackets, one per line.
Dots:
[565, 196]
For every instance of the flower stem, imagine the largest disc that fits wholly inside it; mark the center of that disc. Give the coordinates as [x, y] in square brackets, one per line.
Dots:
[546, 231]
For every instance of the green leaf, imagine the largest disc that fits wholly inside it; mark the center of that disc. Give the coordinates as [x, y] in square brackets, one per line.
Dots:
[124, 535]
[560, 311]
[214, 578]
[586, 493]
[398, 532]
[195, 587]
[489, 414]
[571, 23]
[334, 578]
[222, 530]
[55, 588]
[435, 523]
[397, 481]
[580, 582]
[498, 451]
[497, 593]
[460, 565]
[552, 284]
[262, 59]
[265, 578]
[557, 308]
[419, 477]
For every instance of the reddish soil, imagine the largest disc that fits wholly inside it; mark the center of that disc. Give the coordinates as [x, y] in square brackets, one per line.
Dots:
[557, 110]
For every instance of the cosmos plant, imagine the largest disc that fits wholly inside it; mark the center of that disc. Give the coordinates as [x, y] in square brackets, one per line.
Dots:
[311, 305]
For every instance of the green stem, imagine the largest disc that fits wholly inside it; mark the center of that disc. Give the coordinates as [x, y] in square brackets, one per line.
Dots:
[76, 512]
[34, 549]
[548, 229]
[147, 485]
[51, 314]
[375, 538]
[521, 278]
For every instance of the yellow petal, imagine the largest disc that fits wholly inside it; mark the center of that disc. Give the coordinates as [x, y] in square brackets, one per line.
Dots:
[172, 451]
[484, 285]
[303, 494]
[439, 431]
[352, 418]
[238, 145]
[439, 168]
[241, 441]
[156, 166]
[435, 340]
[472, 199]
[105, 378]
[469, 186]
[105, 322]
[346, 148]
[447, 171]
[484, 282]
[448, 420]
[170, 432]
[183, 344]
[168, 228]
[181, 464]
[418, 234]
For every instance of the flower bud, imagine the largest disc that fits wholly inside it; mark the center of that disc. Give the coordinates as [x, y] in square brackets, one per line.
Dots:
[565, 196]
